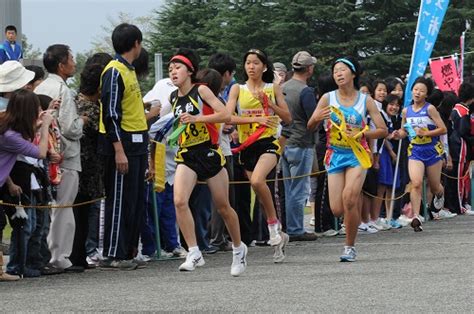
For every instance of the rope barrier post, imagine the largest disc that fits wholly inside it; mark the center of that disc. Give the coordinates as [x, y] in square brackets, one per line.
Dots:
[155, 220]
[471, 174]
[394, 185]
[425, 205]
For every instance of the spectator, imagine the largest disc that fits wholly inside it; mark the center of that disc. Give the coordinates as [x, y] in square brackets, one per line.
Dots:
[60, 64]
[10, 49]
[17, 130]
[298, 155]
[123, 140]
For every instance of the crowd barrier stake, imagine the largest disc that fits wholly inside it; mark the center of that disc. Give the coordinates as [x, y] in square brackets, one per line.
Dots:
[394, 185]
[425, 205]
[156, 221]
[471, 174]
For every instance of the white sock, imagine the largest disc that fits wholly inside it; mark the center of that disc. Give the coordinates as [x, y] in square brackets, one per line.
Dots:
[238, 248]
[194, 249]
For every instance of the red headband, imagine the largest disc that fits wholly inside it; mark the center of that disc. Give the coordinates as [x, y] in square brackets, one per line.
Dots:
[183, 59]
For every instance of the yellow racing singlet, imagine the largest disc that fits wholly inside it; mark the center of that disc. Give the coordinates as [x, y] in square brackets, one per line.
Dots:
[249, 106]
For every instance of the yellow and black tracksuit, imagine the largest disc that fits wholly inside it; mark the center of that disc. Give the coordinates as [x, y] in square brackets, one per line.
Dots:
[122, 118]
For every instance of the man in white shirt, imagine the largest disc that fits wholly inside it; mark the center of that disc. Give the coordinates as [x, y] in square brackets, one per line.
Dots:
[59, 63]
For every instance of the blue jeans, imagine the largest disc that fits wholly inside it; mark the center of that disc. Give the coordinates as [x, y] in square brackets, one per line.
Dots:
[19, 243]
[296, 161]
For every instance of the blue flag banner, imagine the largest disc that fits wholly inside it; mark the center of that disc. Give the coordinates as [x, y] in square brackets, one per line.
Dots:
[430, 18]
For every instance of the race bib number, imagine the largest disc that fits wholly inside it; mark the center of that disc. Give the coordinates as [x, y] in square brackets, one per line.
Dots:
[194, 134]
[420, 140]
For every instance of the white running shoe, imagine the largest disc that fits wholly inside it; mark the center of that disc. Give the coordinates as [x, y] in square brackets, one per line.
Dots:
[193, 260]
[469, 212]
[438, 201]
[467, 206]
[403, 220]
[364, 228]
[239, 261]
[446, 214]
[382, 223]
[342, 231]
[179, 252]
[312, 221]
[279, 254]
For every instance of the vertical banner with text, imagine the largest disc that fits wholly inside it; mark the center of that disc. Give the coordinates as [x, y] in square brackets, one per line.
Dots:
[445, 74]
[430, 18]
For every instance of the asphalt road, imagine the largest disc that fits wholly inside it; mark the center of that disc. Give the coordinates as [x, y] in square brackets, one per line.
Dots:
[396, 271]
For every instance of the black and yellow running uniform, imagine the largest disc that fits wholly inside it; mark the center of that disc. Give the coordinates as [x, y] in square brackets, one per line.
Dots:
[198, 148]
[249, 106]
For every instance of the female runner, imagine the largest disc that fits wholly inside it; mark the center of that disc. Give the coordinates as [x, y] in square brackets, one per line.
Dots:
[260, 104]
[425, 150]
[200, 158]
[346, 169]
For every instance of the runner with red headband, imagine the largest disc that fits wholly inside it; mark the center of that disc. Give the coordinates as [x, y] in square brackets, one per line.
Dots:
[260, 105]
[200, 158]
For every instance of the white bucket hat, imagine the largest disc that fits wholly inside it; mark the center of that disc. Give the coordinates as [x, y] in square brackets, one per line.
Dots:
[13, 76]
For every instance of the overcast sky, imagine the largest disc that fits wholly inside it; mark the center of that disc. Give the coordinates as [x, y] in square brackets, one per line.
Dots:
[75, 22]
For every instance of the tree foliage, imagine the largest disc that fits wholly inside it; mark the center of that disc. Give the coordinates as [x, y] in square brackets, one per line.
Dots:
[378, 32]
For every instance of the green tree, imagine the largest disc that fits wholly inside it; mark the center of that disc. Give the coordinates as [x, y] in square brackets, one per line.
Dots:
[29, 52]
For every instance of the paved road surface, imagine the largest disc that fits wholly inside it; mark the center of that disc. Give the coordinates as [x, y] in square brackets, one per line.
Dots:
[396, 271]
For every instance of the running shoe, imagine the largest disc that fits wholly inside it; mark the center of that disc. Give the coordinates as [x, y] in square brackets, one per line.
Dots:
[446, 214]
[193, 260]
[239, 261]
[179, 252]
[327, 233]
[394, 223]
[438, 201]
[115, 264]
[382, 222]
[342, 231]
[279, 253]
[469, 212]
[312, 221]
[349, 254]
[365, 228]
[416, 224]
[403, 220]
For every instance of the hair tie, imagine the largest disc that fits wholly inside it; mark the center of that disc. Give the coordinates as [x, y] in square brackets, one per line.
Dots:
[348, 63]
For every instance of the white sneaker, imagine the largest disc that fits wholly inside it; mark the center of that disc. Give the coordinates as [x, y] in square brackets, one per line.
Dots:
[374, 224]
[403, 220]
[469, 212]
[467, 206]
[179, 252]
[193, 260]
[438, 201]
[94, 260]
[330, 233]
[446, 214]
[279, 253]
[342, 231]
[239, 261]
[142, 257]
[363, 227]
[275, 235]
[382, 223]
[312, 221]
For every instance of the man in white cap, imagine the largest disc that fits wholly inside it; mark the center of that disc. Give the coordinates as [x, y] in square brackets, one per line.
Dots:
[13, 76]
[297, 159]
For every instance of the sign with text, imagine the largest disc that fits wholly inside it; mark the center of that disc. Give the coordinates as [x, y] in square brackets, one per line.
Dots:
[445, 74]
[430, 18]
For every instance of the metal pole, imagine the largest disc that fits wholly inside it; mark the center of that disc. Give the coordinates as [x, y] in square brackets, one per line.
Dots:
[158, 66]
[394, 186]
[156, 220]
[425, 206]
